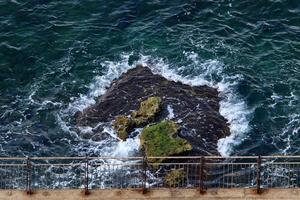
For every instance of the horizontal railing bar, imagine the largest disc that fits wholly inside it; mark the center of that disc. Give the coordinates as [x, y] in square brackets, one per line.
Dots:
[58, 164]
[114, 164]
[174, 163]
[231, 163]
[151, 157]
[13, 158]
[57, 158]
[199, 157]
[139, 164]
[141, 158]
[200, 163]
[282, 163]
[13, 165]
[117, 158]
[281, 156]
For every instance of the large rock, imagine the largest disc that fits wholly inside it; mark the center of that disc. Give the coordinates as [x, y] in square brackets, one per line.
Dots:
[161, 140]
[195, 108]
[147, 112]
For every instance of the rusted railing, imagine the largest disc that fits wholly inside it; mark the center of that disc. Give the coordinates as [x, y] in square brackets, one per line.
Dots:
[257, 172]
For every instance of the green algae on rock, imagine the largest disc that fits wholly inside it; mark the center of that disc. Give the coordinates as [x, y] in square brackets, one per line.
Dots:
[175, 177]
[147, 111]
[123, 125]
[161, 140]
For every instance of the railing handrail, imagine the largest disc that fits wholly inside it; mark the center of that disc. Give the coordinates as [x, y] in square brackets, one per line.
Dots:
[151, 157]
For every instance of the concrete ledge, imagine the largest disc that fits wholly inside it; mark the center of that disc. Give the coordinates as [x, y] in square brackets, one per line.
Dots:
[162, 194]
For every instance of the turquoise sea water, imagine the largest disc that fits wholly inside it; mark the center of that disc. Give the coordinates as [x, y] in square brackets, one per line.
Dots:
[56, 57]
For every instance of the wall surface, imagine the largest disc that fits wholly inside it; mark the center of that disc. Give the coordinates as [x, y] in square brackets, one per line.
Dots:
[159, 194]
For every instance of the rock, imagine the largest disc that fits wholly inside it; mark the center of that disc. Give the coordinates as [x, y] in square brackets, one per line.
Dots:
[195, 108]
[123, 125]
[161, 140]
[175, 177]
[147, 111]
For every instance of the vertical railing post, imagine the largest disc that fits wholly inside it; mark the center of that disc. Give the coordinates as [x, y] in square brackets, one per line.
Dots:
[145, 166]
[28, 176]
[202, 175]
[258, 176]
[86, 175]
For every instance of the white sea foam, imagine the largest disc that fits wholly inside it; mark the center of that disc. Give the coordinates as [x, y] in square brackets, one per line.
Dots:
[237, 114]
[126, 148]
[113, 69]
[113, 146]
[290, 134]
[171, 114]
[65, 127]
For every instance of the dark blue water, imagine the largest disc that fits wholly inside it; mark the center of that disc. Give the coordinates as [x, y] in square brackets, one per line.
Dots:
[57, 57]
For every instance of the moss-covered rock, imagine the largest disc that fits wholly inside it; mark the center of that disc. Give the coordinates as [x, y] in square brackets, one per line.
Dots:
[175, 178]
[161, 140]
[123, 125]
[147, 111]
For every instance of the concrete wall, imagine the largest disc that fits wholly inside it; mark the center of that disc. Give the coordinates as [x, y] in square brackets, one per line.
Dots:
[161, 194]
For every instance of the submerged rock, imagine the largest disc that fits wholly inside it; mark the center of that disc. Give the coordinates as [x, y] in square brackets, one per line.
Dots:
[123, 125]
[194, 108]
[161, 140]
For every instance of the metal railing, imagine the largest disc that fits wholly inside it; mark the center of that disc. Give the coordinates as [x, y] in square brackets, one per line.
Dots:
[87, 173]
